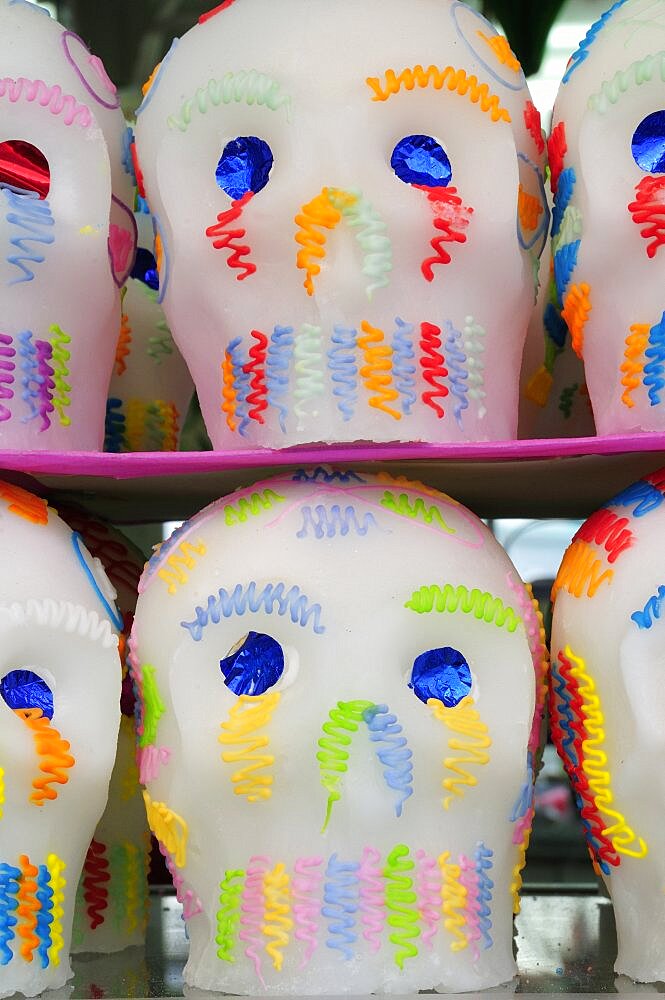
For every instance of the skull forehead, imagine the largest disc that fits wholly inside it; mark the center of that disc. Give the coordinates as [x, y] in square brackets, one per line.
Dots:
[45, 558]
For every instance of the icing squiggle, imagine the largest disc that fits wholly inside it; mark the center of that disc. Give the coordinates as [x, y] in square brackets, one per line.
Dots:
[474, 348]
[340, 897]
[434, 370]
[372, 239]
[52, 98]
[654, 370]
[7, 368]
[454, 80]
[52, 751]
[240, 383]
[228, 915]
[332, 756]
[395, 754]
[96, 877]
[255, 368]
[484, 864]
[277, 922]
[401, 898]
[308, 357]
[32, 217]
[238, 88]
[464, 720]
[449, 599]
[9, 886]
[632, 367]
[224, 238]
[306, 885]
[247, 716]
[376, 373]
[191, 904]
[404, 369]
[459, 376]
[330, 522]
[454, 902]
[278, 363]
[344, 370]
[428, 884]
[61, 356]
[252, 908]
[372, 897]
[273, 599]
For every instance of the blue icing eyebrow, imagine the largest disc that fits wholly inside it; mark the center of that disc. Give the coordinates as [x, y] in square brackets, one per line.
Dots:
[582, 53]
[109, 608]
[272, 598]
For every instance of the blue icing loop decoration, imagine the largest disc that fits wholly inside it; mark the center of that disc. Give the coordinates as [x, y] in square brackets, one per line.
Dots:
[26, 689]
[254, 666]
[443, 674]
[420, 159]
[109, 608]
[145, 269]
[648, 143]
[244, 165]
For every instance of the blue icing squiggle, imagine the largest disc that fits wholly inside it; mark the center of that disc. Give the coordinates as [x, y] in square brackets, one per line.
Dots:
[241, 380]
[278, 362]
[329, 522]
[457, 372]
[272, 599]
[404, 369]
[45, 914]
[9, 886]
[344, 370]
[483, 859]
[582, 53]
[32, 215]
[341, 900]
[395, 754]
[654, 370]
[652, 610]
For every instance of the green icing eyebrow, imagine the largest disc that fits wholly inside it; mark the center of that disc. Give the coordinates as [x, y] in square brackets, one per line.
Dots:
[233, 88]
[480, 604]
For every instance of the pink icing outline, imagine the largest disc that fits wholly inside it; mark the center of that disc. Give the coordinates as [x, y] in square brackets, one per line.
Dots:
[110, 104]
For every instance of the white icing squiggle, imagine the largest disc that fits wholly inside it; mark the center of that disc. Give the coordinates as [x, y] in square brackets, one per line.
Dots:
[71, 618]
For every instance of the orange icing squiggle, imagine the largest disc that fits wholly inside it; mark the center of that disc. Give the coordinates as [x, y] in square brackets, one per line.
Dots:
[24, 504]
[576, 309]
[51, 749]
[249, 714]
[124, 340]
[316, 215]
[376, 373]
[500, 46]
[455, 80]
[632, 367]
[581, 572]
[529, 209]
[229, 394]
[28, 907]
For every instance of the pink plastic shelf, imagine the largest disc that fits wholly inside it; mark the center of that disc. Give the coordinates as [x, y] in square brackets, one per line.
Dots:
[536, 478]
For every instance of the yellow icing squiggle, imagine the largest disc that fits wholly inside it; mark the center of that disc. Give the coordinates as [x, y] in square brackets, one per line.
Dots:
[247, 716]
[464, 720]
[277, 922]
[56, 867]
[169, 828]
[453, 902]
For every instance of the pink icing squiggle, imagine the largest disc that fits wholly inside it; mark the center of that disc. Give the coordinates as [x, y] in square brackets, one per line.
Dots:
[372, 897]
[305, 887]
[52, 98]
[469, 879]
[533, 628]
[252, 908]
[191, 904]
[522, 825]
[46, 383]
[428, 886]
[150, 759]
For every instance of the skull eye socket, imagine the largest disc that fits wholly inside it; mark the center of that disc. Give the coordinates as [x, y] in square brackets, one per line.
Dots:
[420, 159]
[441, 673]
[24, 167]
[254, 665]
[244, 166]
[648, 143]
[145, 269]
[25, 689]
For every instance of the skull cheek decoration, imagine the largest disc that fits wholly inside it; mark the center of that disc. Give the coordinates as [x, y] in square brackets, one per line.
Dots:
[59, 702]
[67, 238]
[337, 743]
[336, 227]
[607, 708]
[151, 387]
[608, 175]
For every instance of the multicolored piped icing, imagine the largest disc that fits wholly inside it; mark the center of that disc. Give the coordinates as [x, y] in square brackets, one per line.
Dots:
[607, 173]
[63, 130]
[376, 296]
[605, 705]
[352, 727]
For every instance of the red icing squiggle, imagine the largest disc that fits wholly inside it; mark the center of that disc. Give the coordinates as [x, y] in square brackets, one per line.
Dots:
[433, 367]
[648, 210]
[606, 529]
[95, 876]
[257, 397]
[216, 10]
[452, 217]
[534, 125]
[557, 147]
[224, 238]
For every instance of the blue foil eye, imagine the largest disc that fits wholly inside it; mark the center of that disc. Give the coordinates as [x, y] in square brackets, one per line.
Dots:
[145, 269]
[25, 689]
[649, 143]
[443, 674]
[420, 159]
[244, 165]
[254, 666]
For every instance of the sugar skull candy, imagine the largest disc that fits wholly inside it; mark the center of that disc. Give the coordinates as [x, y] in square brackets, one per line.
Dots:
[60, 710]
[339, 760]
[607, 157]
[607, 708]
[349, 208]
[151, 387]
[67, 237]
[112, 899]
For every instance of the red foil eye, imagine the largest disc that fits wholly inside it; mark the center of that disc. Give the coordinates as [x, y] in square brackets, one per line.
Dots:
[25, 167]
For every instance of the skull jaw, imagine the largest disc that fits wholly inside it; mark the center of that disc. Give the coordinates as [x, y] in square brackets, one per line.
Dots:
[30, 979]
[639, 911]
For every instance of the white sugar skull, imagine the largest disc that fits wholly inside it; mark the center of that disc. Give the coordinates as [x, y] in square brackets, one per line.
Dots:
[607, 156]
[350, 208]
[341, 680]
[112, 899]
[151, 387]
[607, 708]
[59, 714]
[67, 235]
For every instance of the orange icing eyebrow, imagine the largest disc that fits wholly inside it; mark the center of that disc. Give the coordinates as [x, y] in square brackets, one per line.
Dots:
[455, 80]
